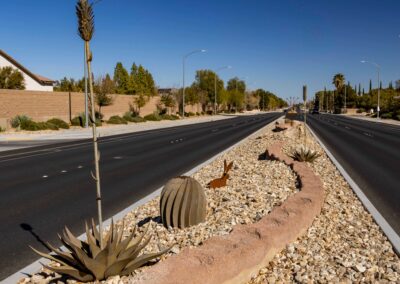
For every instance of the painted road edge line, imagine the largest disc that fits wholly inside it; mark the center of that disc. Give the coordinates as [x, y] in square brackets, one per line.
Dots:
[394, 239]
[37, 265]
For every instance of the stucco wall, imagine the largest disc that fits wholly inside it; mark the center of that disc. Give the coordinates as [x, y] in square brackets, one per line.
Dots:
[41, 106]
[30, 84]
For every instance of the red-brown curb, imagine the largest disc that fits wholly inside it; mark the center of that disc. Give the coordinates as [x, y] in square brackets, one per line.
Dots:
[238, 256]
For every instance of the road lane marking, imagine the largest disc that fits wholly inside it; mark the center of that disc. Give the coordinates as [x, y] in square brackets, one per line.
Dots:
[63, 171]
[45, 176]
[367, 134]
[117, 158]
[79, 167]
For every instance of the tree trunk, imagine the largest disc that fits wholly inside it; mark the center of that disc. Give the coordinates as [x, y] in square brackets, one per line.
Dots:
[95, 146]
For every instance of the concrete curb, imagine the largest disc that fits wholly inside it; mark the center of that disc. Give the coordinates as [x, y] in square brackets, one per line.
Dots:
[237, 257]
[394, 239]
[36, 266]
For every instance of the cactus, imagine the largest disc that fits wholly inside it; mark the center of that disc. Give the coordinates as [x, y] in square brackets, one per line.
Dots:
[183, 203]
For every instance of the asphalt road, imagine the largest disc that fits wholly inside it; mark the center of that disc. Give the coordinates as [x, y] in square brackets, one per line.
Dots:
[370, 153]
[44, 188]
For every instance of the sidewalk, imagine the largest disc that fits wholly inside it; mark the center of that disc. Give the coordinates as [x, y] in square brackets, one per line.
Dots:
[363, 117]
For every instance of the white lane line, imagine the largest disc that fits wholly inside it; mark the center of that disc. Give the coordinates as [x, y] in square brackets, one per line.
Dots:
[45, 176]
[63, 171]
[172, 142]
[379, 219]
[79, 167]
[367, 134]
[117, 158]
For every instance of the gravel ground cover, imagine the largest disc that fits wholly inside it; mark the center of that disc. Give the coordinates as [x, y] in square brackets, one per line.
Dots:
[255, 187]
[344, 244]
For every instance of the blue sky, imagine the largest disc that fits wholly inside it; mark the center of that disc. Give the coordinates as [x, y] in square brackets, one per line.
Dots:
[276, 45]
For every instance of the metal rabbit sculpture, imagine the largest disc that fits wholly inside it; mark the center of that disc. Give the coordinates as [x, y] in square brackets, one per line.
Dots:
[221, 182]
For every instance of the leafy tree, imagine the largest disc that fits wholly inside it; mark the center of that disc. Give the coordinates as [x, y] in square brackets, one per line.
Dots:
[370, 86]
[168, 101]
[359, 89]
[139, 101]
[104, 87]
[11, 78]
[121, 79]
[390, 85]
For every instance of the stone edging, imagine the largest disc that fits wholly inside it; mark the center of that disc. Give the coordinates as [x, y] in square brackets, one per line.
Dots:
[238, 256]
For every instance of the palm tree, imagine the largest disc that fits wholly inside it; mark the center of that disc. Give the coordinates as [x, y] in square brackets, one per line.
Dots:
[338, 81]
[84, 12]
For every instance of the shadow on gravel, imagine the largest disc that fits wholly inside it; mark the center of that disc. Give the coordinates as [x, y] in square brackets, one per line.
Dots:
[148, 219]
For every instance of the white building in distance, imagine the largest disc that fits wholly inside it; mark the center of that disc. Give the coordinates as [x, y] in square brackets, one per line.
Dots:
[33, 82]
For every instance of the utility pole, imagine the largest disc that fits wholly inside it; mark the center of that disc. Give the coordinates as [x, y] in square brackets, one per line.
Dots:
[86, 91]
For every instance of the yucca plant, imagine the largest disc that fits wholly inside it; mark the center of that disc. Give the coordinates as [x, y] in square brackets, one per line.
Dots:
[303, 154]
[84, 13]
[89, 261]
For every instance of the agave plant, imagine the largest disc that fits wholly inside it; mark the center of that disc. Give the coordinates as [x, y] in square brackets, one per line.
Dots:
[85, 15]
[89, 261]
[304, 154]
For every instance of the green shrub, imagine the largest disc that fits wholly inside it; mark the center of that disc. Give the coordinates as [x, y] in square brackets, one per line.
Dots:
[115, 119]
[59, 123]
[387, 115]
[360, 110]
[18, 119]
[153, 117]
[169, 117]
[81, 121]
[35, 126]
[138, 119]
[2, 129]
[397, 117]
[77, 121]
[191, 113]
[202, 113]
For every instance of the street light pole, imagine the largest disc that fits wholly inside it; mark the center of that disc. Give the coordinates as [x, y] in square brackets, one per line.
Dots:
[183, 77]
[215, 85]
[345, 94]
[378, 69]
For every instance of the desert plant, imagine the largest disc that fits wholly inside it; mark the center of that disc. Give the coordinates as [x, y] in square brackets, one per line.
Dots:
[115, 119]
[183, 203]
[89, 260]
[84, 13]
[153, 117]
[303, 154]
[18, 119]
[169, 117]
[59, 123]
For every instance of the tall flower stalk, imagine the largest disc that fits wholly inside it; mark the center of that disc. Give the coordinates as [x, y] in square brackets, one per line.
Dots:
[84, 12]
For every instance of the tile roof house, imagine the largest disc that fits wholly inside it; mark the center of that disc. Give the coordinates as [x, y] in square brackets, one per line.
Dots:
[33, 82]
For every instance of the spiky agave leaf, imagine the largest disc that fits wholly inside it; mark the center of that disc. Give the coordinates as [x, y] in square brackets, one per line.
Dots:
[87, 261]
[84, 12]
[304, 154]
